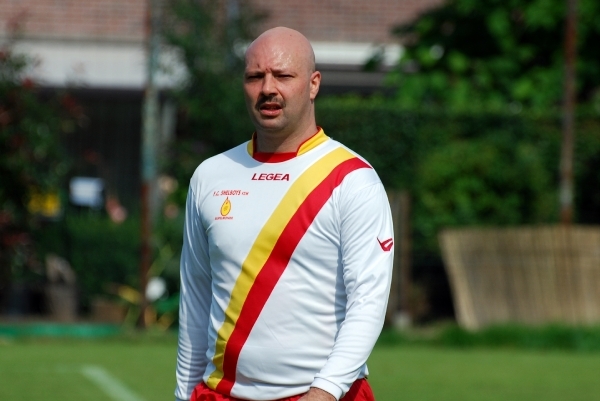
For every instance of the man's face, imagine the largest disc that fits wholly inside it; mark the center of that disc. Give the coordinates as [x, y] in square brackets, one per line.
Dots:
[279, 87]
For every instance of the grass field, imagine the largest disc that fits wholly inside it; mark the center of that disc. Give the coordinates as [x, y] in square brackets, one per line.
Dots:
[143, 370]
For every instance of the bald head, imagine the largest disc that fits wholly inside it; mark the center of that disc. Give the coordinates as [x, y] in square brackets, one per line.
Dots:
[288, 42]
[280, 85]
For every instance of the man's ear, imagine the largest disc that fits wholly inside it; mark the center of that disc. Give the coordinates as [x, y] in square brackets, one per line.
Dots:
[315, 83]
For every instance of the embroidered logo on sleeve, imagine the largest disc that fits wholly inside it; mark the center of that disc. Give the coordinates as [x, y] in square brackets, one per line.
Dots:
[386, 245]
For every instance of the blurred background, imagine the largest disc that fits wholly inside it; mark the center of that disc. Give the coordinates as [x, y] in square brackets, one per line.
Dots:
[482, 119]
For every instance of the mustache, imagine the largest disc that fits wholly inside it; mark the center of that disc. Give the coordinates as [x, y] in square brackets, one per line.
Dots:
[268, 99]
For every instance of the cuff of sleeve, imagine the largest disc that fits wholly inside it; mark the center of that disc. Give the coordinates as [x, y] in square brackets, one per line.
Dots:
[328, 386]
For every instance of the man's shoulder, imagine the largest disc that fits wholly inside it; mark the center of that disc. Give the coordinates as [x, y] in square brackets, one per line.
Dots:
[360, 177]
[236, 155]
[333, 143]
[221, 163]
[336, 144]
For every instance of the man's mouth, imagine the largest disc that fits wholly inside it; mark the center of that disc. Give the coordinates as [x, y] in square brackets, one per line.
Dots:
[270, 108]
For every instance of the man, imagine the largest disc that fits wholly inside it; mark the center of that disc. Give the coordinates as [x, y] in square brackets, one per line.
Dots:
[287, 254]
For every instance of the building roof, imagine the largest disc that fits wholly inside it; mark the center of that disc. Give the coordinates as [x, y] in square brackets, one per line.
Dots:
[320, 20]
[117, 20]
[100, 43]
[354, 21]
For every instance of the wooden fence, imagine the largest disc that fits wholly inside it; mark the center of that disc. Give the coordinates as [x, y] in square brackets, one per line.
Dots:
[530, 275]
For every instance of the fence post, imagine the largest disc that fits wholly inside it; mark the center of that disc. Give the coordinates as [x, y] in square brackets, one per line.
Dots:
[398, 310]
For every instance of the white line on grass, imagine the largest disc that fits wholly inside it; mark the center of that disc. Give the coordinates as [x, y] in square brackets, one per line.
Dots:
[109, 384]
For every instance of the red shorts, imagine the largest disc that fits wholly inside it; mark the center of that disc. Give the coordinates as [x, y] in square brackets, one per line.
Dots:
[360, 391]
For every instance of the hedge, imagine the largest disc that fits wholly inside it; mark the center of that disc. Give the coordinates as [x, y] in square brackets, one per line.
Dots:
[466, 169]
[461, 169]
[511, 157]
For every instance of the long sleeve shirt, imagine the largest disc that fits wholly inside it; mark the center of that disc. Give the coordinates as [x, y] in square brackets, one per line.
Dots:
[285, 272]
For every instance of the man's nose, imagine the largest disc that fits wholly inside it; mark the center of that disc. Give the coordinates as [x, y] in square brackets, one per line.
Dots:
[268, 85]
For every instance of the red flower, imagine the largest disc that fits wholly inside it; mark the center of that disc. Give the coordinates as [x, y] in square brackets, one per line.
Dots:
[71, 105]
[14, 239]
[28, 83]
[5, 117]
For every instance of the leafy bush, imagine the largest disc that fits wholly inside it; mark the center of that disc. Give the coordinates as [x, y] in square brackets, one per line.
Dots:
[480, 182]
[476, 168]
[492, 54]
[33, 163]
[102, 252]
[99, 251]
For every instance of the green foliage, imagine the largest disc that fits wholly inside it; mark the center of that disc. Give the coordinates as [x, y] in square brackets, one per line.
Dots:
[32, 159]
[587, 166]
[478, 168]
[483, 168]
[167, 240]
[389, 138]
[31, 129]
[100, 251]
[580, 339]
[209, 36]
[103, 253]
[498, 55]
[547, 337]
[480, 182]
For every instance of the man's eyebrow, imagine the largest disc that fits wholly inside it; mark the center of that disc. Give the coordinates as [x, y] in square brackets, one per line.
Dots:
[275, 71]
[285, 71]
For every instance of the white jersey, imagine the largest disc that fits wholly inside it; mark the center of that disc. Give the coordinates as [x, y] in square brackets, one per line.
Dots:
[285, 272]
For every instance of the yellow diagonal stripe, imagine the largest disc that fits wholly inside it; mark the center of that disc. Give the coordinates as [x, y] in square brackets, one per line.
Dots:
[263, 245]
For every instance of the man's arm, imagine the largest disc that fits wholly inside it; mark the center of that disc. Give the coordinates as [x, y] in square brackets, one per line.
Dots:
[194, 307]
[367, 255]
[316, 394]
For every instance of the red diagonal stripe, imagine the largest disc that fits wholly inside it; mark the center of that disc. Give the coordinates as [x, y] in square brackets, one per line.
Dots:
[275, 265]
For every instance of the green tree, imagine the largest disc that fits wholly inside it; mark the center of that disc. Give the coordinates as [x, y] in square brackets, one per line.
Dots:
[493, 54]
[210, 36]
[33, 163]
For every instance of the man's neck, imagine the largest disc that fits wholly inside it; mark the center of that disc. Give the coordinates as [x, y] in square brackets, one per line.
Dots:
[278, 142]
